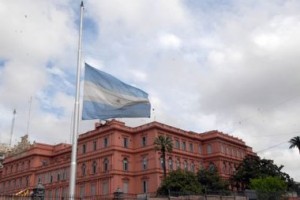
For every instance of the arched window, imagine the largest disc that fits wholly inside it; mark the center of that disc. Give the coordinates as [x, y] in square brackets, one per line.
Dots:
[105, 164]
[185, 165]
[94, 167]
[170, 163]
[222, 148]
[224, 167]
[145, 163]
[209, 150]
[83, 168]
[212, 167]
[178, 164]
[125, 164]
[161, 162]
[183, 145]
[192, 167]
[200, 149]
[200, 165]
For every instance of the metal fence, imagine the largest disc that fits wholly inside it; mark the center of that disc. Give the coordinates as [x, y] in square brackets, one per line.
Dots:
[210, 195]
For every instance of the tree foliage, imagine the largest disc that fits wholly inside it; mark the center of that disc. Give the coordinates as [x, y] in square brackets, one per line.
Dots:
[254, 167]
[181, 182]
[295, 143]
[269, 187]
[211, 181]
[185, 182]
[163, 144]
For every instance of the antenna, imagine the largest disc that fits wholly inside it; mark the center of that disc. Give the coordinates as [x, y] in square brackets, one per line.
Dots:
[29, 112]
[12, 126]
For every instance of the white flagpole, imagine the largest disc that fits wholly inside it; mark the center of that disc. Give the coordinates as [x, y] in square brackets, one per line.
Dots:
[72, 183]
[12, 127]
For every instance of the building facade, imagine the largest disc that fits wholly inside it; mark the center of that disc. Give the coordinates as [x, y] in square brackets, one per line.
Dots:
[115, 157]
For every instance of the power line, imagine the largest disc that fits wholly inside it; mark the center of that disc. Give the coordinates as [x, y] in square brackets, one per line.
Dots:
[271, 147]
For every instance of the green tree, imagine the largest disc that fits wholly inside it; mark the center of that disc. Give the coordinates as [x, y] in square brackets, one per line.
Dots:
[163, 144]
[295, 142]
[211, 180]
[180, 182]
[254, 167]
[269, 188]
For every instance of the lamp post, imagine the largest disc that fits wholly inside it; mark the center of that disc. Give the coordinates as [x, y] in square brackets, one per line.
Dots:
[118, 194]
[38, 192]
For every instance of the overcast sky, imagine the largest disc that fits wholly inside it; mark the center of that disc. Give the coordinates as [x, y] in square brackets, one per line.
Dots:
[229, 65]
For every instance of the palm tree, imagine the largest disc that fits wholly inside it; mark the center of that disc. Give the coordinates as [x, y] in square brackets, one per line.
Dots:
[163, 144]
[295, 142]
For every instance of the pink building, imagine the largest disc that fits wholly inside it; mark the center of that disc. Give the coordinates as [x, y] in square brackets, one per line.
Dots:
[116, 156]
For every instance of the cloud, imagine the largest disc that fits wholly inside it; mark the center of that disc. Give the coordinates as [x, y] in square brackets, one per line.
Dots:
[231, 66]
[37, 33]
[170, 41]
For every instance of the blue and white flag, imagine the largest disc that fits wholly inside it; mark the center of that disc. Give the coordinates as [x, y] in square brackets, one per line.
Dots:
[107, 97]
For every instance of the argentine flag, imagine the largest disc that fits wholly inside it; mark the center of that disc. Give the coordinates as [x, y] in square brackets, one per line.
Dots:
[107, 97]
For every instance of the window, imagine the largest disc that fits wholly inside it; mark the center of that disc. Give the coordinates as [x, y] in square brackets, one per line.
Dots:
[191, 147]
[178, 163]
[84, 148]
[161, 162]
[94, 167]
[125, 142]
[64, 175]
[50, 194]
[93, 189]
[209, 151]
[177, 144]
[183, 146]
[211, 166]
[105, 164]
[224, 167]
[82, 191]
[144, 141]
[234, 168]
[27, 181]
[105, 188]
[222, 148]
[125, 186]
[145, 163]
[105, 142]
[170, 163]
[58, 176]
[125, 164]
[94, 145]
[145, 186]
[51, 178]
[200, 149]
[192, 167]
[83, 169]
[185, 165]
[65, 192]
[56, 194]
